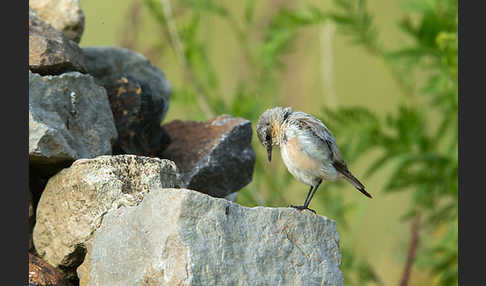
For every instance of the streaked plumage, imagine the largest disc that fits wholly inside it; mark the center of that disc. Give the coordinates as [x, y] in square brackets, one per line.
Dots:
[307, 147]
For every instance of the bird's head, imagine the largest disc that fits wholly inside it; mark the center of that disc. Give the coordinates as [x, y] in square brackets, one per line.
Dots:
[269, 126]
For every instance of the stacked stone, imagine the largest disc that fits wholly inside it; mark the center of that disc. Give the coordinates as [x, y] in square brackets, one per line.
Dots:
[117, 198]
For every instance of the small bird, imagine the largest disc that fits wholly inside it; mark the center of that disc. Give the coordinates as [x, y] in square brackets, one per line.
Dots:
[307, 147]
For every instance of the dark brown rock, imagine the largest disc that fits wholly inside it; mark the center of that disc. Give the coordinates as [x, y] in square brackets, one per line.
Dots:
[50, 52]
[137, 114]
[214, 157]
[42, 273]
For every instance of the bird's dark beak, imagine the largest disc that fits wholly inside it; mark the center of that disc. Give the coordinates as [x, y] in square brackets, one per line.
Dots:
[269, 152]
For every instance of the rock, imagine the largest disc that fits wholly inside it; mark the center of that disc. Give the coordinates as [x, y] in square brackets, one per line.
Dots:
[31, 208]
[50, 52]
[75, 200]
[69, 118]
[137, 116]
[43, 274]
[214, 157]
[31, 220]
[109, 64]
[232, 197]
[182, 237]
[64, 15]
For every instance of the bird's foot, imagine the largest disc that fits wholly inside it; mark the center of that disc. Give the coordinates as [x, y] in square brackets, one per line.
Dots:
[301, 208]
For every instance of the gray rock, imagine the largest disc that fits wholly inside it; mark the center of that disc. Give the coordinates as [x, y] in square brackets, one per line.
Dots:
[69, 119]
[50, 52]
[182, 237]
[109, 64]
[64, 15]
[214, 157]
[75, 200]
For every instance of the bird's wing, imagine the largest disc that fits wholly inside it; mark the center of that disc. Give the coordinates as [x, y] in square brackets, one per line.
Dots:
[316, 127]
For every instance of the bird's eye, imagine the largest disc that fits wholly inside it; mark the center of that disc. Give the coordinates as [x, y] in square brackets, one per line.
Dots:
[267, 137]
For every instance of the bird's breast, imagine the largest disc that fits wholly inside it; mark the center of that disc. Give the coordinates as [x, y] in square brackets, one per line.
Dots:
[302, 165]
[294, 156]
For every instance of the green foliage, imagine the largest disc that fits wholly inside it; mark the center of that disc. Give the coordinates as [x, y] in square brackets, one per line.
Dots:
[424, 159]
[357, 23]
[423, 156]
[362, 270]
[247, 101]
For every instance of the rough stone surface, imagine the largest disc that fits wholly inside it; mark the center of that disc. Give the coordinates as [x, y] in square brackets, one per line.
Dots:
[109, 64]
[75, 200]
[137, 115]
[64, 15]
[182, 237]
[50, 52]
[43, 274]
[214, 157]
[69, 118]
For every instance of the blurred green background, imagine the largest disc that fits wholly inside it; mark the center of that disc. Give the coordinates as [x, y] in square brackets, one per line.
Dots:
[356, 65]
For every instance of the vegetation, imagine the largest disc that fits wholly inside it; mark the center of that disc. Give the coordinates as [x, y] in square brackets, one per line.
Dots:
[417, 141]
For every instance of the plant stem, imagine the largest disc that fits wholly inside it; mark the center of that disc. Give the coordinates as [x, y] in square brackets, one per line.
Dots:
[327, 65]
[412, 251]
[177, 45]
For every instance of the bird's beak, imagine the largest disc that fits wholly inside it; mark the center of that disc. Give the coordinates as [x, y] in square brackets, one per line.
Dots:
[269, 152]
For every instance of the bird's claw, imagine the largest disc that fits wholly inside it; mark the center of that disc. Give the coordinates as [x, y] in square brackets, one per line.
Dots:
[301, 208]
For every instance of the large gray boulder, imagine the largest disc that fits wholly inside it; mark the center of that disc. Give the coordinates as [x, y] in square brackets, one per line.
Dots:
[77, 198]
[109, 64]
[183, 237]
[50, 52]
[214, 157]
[64, 15]
[69, 119]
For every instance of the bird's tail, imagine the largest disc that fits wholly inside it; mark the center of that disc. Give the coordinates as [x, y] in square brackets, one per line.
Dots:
[356, 183]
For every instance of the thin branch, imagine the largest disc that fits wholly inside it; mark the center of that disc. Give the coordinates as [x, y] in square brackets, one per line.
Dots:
[177, 45]
[412, 251]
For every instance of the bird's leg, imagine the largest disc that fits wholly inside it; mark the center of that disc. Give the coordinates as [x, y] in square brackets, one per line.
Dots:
[305, 202]
[308, 194]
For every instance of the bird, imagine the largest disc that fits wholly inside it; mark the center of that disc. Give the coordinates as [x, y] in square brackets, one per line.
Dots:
[308, 149]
